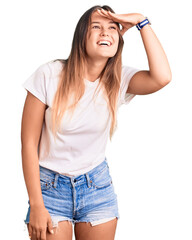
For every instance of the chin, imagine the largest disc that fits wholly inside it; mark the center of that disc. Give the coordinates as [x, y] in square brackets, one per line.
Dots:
[102, 55]
[107, 55]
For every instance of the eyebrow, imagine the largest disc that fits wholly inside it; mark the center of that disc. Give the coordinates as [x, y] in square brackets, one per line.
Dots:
[100, 22]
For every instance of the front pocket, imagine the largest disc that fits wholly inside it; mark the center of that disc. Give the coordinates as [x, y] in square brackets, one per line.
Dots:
[45, 184]
[46, 181]
[102, 179]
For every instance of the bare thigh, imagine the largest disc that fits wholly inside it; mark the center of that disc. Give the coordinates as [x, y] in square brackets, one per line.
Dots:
[64, 231]
[84, 231]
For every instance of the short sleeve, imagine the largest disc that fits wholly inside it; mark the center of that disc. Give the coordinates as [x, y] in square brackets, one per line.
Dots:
[37, 83]
[126, 75]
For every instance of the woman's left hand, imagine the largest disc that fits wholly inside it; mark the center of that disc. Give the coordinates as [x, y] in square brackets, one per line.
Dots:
[127, 21]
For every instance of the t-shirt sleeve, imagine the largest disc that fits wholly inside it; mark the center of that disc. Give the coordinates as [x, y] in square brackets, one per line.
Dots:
[126, 75]
[37, 83]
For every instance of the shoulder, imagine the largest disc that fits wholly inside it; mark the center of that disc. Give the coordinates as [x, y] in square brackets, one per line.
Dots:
[128, 71]
[53, 67]
[50, 68]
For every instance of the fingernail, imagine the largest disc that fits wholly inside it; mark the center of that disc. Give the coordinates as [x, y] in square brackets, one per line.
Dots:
[52, 231]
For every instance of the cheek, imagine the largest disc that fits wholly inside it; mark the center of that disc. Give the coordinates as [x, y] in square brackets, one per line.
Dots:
[89, 47]
[91, 42]
[117, 38]
[88, 40]
[116, 41]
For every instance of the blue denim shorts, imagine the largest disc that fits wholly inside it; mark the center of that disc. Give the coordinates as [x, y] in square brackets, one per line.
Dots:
[89, 197]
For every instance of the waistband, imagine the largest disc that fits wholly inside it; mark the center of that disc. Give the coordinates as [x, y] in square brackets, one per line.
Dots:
[75, 179]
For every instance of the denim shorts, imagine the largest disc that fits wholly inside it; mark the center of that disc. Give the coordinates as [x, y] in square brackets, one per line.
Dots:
[89, 197]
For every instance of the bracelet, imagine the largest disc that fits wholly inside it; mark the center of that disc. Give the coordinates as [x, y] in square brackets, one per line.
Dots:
[143, 23]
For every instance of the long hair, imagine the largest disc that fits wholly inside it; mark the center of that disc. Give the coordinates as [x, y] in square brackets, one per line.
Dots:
[71, 86]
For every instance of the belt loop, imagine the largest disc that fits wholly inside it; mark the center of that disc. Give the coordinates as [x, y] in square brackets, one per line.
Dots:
[56, 179]
[88, 180]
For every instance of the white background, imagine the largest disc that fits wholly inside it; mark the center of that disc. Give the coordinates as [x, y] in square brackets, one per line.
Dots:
[149, 156]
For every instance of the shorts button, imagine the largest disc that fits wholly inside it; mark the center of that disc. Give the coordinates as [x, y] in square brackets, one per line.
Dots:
[75, 180]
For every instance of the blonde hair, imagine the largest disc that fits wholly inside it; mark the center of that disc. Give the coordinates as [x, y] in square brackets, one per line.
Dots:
[71, 86]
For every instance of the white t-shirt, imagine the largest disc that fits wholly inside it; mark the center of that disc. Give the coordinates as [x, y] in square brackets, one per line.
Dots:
[80, 143]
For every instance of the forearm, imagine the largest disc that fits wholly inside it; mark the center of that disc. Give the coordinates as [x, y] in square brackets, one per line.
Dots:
[159, 69]
[158, 63]
[30, 165]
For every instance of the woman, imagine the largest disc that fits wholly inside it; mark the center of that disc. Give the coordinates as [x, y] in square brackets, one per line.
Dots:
[65, 128]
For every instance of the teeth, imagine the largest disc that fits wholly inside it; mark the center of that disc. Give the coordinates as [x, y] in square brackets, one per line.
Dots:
[104, 42]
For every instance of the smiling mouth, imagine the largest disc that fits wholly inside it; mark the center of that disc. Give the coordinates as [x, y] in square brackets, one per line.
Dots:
[104, 43]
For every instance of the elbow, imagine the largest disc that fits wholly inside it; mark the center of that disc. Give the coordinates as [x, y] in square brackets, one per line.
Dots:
[166, 79]
[169, 78]
[162, 78]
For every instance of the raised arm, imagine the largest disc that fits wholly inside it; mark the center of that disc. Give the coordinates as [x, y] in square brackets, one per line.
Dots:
[159, 73]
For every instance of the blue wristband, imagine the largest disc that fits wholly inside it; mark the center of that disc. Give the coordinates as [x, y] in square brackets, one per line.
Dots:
[142, 24]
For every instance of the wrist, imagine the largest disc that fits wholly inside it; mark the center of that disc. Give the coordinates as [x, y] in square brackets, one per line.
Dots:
[37, 205]
[140, 18]
[143, 23]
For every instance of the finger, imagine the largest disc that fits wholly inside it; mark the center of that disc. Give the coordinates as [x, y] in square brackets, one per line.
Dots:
[30, 230]
[50, 226]
[38, 234]
[114, 16]
[34, 234]
[102, 13]
[43, 234]
[107, 13]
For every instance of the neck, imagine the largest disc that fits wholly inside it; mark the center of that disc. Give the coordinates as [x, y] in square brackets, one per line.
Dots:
[94, 68]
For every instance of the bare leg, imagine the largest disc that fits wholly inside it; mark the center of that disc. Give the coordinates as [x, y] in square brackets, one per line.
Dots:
[64, 231]
[105, 231]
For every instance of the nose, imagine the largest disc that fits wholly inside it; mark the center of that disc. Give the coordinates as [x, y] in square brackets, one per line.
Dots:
[104, 33]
